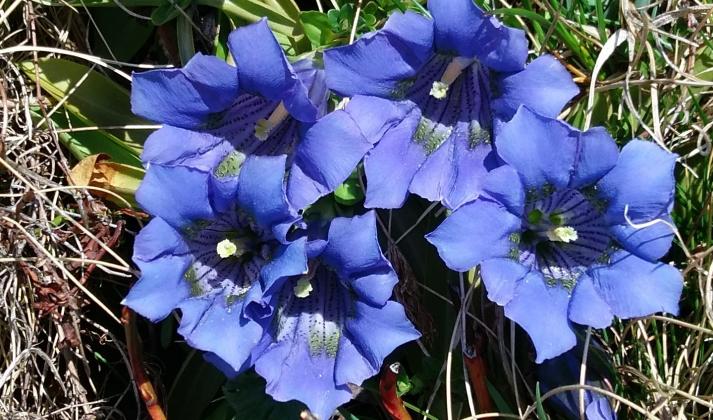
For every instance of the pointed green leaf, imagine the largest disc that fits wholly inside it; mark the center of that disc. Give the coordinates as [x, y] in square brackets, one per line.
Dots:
[92, 97]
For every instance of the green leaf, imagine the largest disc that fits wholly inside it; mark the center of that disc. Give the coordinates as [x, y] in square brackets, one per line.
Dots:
[221, 41]
[92, 97]
[58, 220]
[222, 411]
[498, 399]
[184, 38]
[169, 9]
[168, 325]
[193, 391]
[85, 143]
[349, 193]
[538, 403]
[246, 394]
[403, 383]
[122, 34]
[317, 28]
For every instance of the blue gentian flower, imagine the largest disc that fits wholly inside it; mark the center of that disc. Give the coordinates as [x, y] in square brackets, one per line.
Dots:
[441, 85]
[209, 263]
[334, 324]
[551, 230]
[215, 114]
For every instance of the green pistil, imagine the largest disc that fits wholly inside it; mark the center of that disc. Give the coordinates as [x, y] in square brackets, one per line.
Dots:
[230, 165]
[556, 219]
[534, 217]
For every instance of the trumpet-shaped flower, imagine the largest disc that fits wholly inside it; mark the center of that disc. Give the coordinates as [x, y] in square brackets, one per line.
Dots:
[215, 114]
[207, 262]
[569, 230]
[441, 86]
[334, 324]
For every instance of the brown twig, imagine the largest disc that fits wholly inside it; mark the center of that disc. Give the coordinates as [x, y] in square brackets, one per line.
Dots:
[133, 344]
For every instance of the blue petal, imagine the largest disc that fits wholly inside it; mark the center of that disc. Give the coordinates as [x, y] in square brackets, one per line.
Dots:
[587, 307]
[185, 97]
[376, 116]
[634, 287]
[161, 287]
[462, 29]
[545, 86]
[288, 260]
[158, 239]
[470, 168]
[292, 374]
[600, 409]
[171, 146]
[332, 148]
[326, 156]
[504, 186]
[649, 243]
[477, 231]
[597, 155]
[387, 187]
[541, 149]
[353, 252]
[435, 176]
[500, 276]
[378, 62]
[261, 193]
[376, 332]
[207, 324]
[177, 194]
[268, 73]
[642, 179]
[313, 77]
[351, 366]
[542, 312]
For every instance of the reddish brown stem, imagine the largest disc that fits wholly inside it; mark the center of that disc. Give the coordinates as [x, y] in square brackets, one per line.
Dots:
[146, 389]
[390, 399]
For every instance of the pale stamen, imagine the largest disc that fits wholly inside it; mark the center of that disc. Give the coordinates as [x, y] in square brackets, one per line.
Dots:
[439, 90]
[263, 127]
[564, 234]
[303, 287]
[228, 248]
